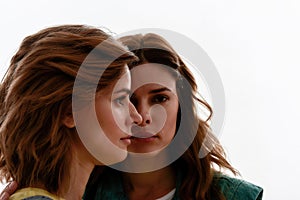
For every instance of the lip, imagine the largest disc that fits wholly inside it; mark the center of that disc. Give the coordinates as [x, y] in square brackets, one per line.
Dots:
[142, 134]
[126, 140]
[143, 139]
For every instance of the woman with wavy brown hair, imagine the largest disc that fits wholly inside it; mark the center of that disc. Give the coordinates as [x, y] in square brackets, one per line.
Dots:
[161, 78]
[40, 147]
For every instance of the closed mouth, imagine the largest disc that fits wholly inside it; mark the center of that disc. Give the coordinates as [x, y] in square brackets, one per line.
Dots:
[142, 134]
[127, 137]
[135, 137]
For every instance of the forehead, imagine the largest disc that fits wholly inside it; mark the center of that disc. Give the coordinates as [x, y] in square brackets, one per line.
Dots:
[123, 82]
[152, 73]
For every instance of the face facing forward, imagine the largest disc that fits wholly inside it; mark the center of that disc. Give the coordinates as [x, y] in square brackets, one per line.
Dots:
[155, 98]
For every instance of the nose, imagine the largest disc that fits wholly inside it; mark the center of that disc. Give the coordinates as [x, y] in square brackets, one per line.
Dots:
[134, 115]
[144, 111]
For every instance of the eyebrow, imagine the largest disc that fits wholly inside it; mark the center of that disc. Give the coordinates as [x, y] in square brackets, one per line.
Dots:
[159, 90]
[123, 90]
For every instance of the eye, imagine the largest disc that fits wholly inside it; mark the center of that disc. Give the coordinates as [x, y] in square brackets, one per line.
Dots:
[121, 100]
[160, 98]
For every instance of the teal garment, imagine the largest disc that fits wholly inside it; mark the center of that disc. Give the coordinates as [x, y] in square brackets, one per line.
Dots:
[110, 187]
[237, 189]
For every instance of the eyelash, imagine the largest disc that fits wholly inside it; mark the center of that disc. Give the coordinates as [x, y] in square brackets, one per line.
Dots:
[120, 100]
[156, 99]
[160, 98]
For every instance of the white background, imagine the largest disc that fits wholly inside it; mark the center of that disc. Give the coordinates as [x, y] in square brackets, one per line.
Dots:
[254, 44]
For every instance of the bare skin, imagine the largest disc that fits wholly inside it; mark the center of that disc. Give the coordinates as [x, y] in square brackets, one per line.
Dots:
[82, 168]
[83, 162]
[149, 186]
[8, 190]
[159, 91]
[156, 184]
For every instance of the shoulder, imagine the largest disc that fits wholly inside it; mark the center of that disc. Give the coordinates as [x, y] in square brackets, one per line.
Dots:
[31, 193]
[236, 189]
[106, 186]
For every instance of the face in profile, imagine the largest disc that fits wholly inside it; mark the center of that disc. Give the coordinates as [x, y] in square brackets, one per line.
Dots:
[113, 113]
[155, 98]
[104, 127]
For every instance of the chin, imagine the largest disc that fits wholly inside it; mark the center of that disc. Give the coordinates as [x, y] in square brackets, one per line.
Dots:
[110, 157]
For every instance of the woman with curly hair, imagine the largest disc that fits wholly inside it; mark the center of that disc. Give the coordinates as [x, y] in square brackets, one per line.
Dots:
[162, 81]
[40, 147]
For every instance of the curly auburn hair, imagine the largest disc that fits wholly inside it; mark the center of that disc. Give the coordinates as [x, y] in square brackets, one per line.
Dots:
[35, 94]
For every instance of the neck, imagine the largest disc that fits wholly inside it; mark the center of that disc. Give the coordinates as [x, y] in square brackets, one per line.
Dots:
[82, 167]
[149, 185]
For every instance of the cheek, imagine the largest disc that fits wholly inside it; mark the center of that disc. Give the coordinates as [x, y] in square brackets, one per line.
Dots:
[171, 121]
[119, 114]
[105, 116]
[108, 124]
[100, 111]
[121, 118]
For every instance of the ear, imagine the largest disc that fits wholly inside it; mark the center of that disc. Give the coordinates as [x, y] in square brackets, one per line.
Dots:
[68, 120]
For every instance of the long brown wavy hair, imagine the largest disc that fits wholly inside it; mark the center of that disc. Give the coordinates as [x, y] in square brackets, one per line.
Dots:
[36, 93]
[197, 174]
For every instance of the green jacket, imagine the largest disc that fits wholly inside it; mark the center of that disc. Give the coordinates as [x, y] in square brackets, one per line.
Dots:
[110, 188]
